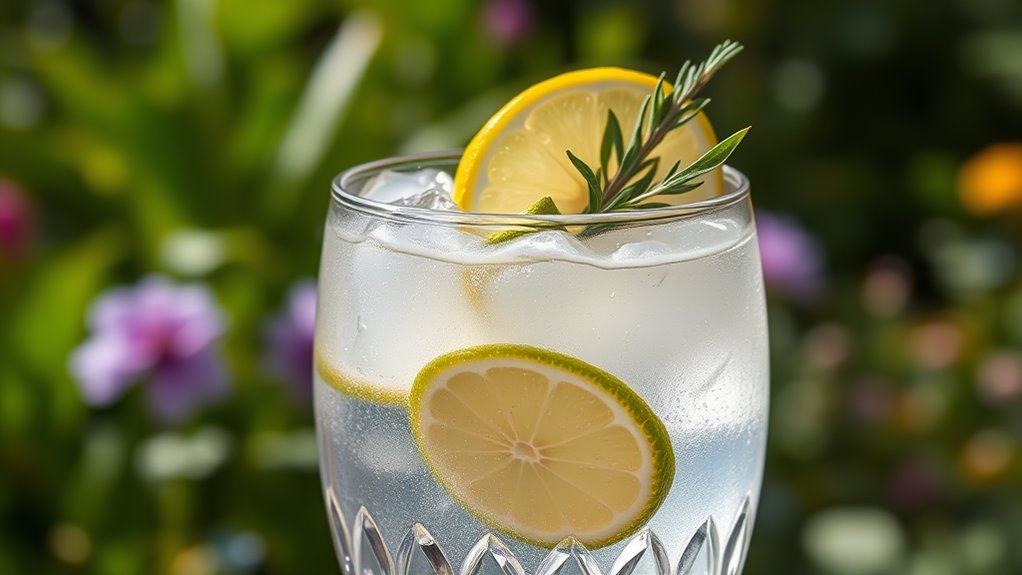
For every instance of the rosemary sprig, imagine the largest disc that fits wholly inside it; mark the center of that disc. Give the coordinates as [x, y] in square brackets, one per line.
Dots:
[633, 181]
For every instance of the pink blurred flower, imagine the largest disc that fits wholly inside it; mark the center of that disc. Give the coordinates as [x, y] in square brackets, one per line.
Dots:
[159, 334]
[937, 343]
[508, 21]
[791, 257]
[289, 337]
[1000, 377]
[17, 222]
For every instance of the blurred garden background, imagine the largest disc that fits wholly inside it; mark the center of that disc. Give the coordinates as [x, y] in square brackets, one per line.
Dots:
[171, 160]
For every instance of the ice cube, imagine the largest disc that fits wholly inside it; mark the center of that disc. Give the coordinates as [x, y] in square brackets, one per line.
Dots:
[392, 187]
[395, 311]
[436, 198]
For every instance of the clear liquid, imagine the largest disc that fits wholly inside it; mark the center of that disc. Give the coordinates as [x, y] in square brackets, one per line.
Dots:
[688, 334]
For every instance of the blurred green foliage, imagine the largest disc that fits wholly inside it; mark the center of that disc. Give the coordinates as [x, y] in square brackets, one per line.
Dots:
[197, 138]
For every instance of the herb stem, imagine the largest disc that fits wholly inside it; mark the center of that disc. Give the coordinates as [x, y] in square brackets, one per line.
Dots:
[622, 177]
[666, 109]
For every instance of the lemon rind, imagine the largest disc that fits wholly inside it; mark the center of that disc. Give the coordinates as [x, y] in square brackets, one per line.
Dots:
[358, 388]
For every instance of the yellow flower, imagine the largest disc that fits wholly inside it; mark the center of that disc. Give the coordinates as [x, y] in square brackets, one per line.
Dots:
[991, 180]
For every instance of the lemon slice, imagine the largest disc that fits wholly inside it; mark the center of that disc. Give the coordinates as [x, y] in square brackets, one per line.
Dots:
[540, 445]
[358, 388]
[519, 155]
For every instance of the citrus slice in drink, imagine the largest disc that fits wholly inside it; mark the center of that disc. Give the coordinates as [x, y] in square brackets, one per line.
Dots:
[540, 445]
[519, 155]
[357, 387]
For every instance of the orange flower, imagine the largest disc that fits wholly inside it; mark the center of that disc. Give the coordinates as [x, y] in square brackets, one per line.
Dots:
[991, 180]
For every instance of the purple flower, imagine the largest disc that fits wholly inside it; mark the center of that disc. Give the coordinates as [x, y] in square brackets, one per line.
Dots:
[159, 334]
[16, 222]
[792, 259]
[507, 21]
[289, 337]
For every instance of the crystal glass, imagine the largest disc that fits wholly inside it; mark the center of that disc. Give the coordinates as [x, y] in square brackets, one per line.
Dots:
[669, 302]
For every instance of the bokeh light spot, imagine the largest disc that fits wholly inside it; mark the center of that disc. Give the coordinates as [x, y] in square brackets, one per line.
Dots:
[854, 540]
[937, 344]
[990, 182]
[798, 85]
[1000, 376]
[887, 287]
[21, 103]
[987, 455]
[70, 544]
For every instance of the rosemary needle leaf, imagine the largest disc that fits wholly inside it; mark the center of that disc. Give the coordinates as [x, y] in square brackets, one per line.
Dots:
[612, 142]
[691, 110]
[631, 190]
[634, 179]
[619, 140]
[675, 189]
[716, 156]
[636, 140]
[592, 181]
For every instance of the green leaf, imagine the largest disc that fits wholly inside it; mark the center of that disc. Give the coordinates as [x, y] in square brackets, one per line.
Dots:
[636, 141]
[657, 114]
[627, 161]
[619, 139]
[611, 141]
[673, 170]
[592, 181]
[691, 110]
[652, 164]
[716, 156]
[647, 179]
[679, 81]
[674, 190]
[691, 75]
[637, 187]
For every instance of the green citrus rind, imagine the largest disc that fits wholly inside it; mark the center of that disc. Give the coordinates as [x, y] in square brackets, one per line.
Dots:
[663, 460]
[544, 206]
[358, 389]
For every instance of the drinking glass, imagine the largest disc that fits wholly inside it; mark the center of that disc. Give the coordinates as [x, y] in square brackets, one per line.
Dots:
[663, 308]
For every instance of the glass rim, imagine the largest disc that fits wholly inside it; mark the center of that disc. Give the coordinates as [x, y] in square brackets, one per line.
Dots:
[735, 182]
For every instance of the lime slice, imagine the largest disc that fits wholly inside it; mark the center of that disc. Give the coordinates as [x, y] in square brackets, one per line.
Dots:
[539, 445]
[519, 155]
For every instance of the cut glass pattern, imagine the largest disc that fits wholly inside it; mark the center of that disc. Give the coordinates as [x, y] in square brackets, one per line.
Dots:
[362, 550]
